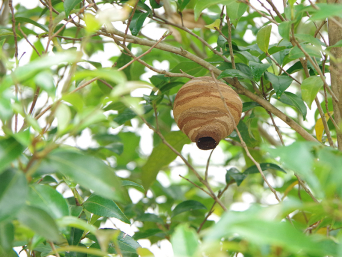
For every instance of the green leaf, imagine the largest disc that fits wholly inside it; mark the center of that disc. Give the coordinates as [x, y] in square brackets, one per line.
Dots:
[279, 83]
[5, 32]
[10, 149]
[104, 207]
[246, 106]
[6, 236]
[298, 157]
[40, 222]
[296, 53]
[137, 22]
[89, 172]
[28, 71]
[129, 114]
[162, 156]
[258, 69]
[263, 38]
[13, 193]
[235, 174]
[45, 80]
[337, 44]
[245, 134]
[182, 4]
[264, 166]
[326, 11]
[70, 221]
[235, 10]
[294, 100]
[310, 87]
[150, 217]
[63, 115]
[256, 228]
[189, 205]
[48, 199]
[284, 29]
[75, 100]
[6, 111]
[203, 4]
[234, 73]
[128, 183]
[189, 67]
[185, 241]
[69, 5]
[23, 20]
[310, 39]
[110, 74]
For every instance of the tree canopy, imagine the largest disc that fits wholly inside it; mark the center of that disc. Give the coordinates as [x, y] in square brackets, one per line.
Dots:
[89, 144]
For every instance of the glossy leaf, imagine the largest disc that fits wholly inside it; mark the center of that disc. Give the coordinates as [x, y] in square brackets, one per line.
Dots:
[310, 88]
[112, 75]
[263, 166]
[294, 100]
[326, 11]
[137, 22]
[45, 81]
[203, 4]
[40, 222]
[284, 29]
[189, 205]
[258, 69]
[235, 10]
[279, 83]
[184, 241]
[23, 20]
[70, 221]
[299, 158]
[162, 156]
[10, 149]
[28, 71]
[104, 207]
[254, 227]
[235, 174]
[13, 193]
[89, 172]
[48, 199]
[6, 236]
[310, 39]
[63, 116]
[296, 53]
[234, 73]
[263, 38]
[249, 105]
[182, 4]
[128, 183]
[69, 5]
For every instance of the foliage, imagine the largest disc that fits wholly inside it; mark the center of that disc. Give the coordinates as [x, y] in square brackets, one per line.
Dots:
[73, 158]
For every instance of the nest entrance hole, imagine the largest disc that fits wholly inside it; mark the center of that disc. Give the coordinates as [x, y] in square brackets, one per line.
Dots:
[206, 143]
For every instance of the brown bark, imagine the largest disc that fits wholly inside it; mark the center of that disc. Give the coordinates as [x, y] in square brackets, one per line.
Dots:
[335, 34]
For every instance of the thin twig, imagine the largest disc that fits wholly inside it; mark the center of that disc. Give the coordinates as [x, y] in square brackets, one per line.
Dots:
[207, 167]
[54, 249]
[276, 63]
[275, 9]
[25, 36]
[148, 51]
[262, 14]
[205, 191]
[130, 20]
[194, 35]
